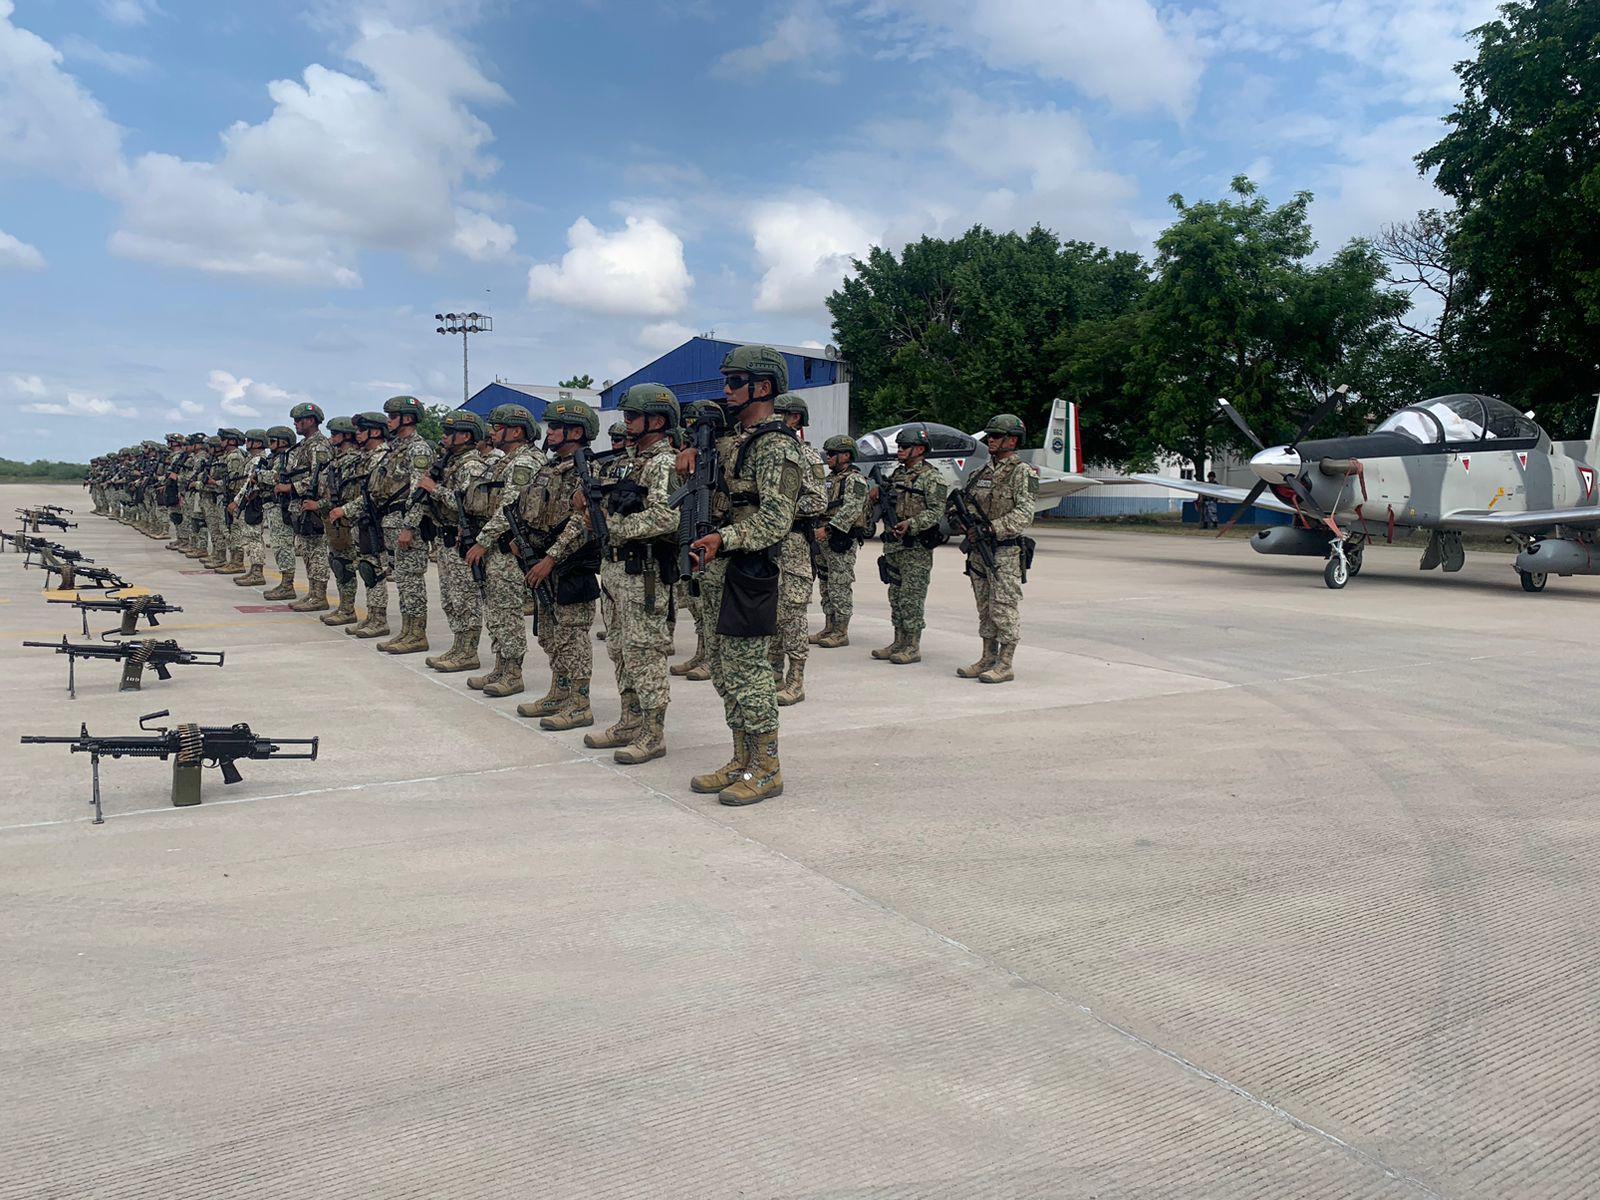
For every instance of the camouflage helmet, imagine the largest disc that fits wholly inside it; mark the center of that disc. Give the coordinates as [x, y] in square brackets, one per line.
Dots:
[759, 362]
[573, 412]
[153, 445]
[256, 435]
[281, 432]
[840, 444]
[707, 411]
[1005, 425]
[175, 437]
[214, 443]
[342, 425]
[404, 406]
[371, 422]
[196, 439]
[913, 435]
[301, 411]
[618, 431]
[230, 432]
[464, 420]
[651, 400]
[789, 404]
[516, 416]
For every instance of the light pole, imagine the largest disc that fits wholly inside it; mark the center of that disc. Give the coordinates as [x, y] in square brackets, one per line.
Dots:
[464, 323]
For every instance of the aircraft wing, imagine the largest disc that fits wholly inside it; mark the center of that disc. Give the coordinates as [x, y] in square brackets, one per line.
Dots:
[1053, 485]
[1216, 491]
[1537, 519]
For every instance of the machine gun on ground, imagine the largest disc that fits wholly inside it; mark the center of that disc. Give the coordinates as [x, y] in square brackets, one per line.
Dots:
[75, 574]
[693, 500]
[28, 546]
[131, 608]
[974, 523]
[189, 746]
[47, 514]
[159, 656]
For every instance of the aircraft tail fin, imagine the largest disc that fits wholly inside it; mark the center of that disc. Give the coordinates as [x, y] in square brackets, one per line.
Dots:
[1594, 433]
[1062, 451]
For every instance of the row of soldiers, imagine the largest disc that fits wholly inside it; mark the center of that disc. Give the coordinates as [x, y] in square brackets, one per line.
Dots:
[556, 530]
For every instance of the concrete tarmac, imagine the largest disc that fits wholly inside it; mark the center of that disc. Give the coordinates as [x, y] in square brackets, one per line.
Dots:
[1244, 888]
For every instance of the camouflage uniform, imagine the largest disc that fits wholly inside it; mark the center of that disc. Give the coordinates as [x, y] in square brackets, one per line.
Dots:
[794, 585]
[279, 533]
[849, 497]
[504, 587]
[235, 470]
[340, 483]
[194, 475]
[458, 591]
[919, 494]
[248, 499]
[1004, 491]
[212, 485]
[309, 456]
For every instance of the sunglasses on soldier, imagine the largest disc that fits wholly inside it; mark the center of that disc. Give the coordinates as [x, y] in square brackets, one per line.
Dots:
[736, 381]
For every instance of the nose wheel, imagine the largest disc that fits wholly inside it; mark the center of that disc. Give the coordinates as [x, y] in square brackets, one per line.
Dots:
[1344, 561]
[1533, 581]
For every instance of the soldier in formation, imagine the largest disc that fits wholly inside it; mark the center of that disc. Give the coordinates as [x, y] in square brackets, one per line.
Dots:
[1003, 491]
[247, 504]
[437, 501]
[839, 537]
[797, 561]
[913, 503]
[339, 484]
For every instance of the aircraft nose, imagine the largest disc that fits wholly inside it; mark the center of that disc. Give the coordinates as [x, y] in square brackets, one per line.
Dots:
[1277, 464]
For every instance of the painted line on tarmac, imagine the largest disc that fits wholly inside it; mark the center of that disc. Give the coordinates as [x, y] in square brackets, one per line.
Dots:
[323, 791]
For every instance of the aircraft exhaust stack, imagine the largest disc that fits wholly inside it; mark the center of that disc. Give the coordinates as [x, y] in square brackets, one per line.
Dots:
[1290, 539]
[1560, 556]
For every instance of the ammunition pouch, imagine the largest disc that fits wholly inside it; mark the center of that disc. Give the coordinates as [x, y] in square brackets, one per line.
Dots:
[369, 538]
[749, 595]
[626, 497]
[426, 529]
[888, 572]
[575, 579]
[309, 525]
[841, 542]
[448, 535]
[169, 494]
[252, 512]
[927, 539]
[368, 572]
[340, 538]
[177, 518]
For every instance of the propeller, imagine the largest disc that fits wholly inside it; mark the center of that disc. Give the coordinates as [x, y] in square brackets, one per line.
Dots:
[1318, 415]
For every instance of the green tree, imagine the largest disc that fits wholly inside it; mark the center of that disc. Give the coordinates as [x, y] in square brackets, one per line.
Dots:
[431, 426]
[956, 330]
[578, 381]
[1522, 162]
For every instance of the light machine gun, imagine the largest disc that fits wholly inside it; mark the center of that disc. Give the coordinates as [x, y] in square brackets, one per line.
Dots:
[189, 746]
[75, 574]
[135, 657]
[47, 514]
[131, 608]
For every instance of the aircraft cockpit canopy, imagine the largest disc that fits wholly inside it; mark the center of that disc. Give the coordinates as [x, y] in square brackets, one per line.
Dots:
[946, 443]
[1461, 418]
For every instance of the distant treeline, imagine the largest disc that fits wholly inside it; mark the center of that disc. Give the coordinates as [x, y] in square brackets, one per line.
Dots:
[55, 472]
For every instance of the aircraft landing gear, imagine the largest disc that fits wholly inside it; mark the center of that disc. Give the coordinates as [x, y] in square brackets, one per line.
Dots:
[1337, 573]
[1533, 581]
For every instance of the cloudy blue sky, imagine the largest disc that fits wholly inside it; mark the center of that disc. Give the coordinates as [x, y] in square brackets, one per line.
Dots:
[210, 210]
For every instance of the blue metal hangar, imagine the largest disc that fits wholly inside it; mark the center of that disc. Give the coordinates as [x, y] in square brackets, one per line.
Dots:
[692, 372]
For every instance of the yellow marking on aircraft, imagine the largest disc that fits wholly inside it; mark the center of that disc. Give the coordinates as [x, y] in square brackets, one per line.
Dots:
[1498, 496]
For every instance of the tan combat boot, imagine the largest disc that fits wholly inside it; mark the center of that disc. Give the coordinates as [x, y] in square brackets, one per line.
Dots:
[650, 742]
[283, 591]
[233, 566]
[826, 631]
[315, 600]
[698, 673]
[467, 660]
[478, 682]
[447, 660]
[762, 777]
[893, 647]
[839, 636]
[711, 784]
[577, 714]
[375, 626]
[413, 637]
[793, 690]
[696, 659]
[251, 578]
[509, 682]
[985, 661]
[624, 731]
[345, 614]
[1000, 670]
[910, 651]
[552, 702]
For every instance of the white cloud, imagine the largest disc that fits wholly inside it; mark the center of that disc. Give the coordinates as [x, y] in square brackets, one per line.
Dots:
[80, 404]
[1376, 182]
[129, 66]
[48, 123]
[481, 238]
[805, 37]
[1115, 50]
[241, 396]
[636, 271]
[183, 410]
[660, 336]
[804, 245]
[17, 255]
[128, 12]
[26, 385]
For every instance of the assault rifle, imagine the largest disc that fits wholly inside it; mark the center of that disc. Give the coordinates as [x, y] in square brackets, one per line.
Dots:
[135, 657]
[428, 526]
[131, 608]
[973, 522]
[528, 547]
[47, 515]
[471, 527]
[693, 500]
[53, 508]
[189, 746]
[594, 493]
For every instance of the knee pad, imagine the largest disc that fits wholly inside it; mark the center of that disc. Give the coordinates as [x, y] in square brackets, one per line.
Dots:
[368, 573]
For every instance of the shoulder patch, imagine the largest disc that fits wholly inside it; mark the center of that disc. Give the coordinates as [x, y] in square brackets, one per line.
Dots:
[422, 455]
[521, 475]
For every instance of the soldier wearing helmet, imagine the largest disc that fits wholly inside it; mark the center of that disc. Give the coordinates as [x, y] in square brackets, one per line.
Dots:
[801, 559]
[438, 497]
[559, 566]
[231, 472]
[913, 502]
[297, 488]
[212, 486]
[849, 502]
[279, 532]
[195, 470]
[392, 485]
[705, 422]
[638, 572]
[740, 577]
[249, 512]
[362, 534]
[486, 536]
[1003, 492]
[339, 482]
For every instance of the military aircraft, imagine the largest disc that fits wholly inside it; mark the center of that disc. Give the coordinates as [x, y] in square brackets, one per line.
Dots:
[1447, 466]
[959, 455]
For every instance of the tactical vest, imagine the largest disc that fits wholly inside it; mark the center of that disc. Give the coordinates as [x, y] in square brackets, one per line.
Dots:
[837, 483]
[744, 498]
